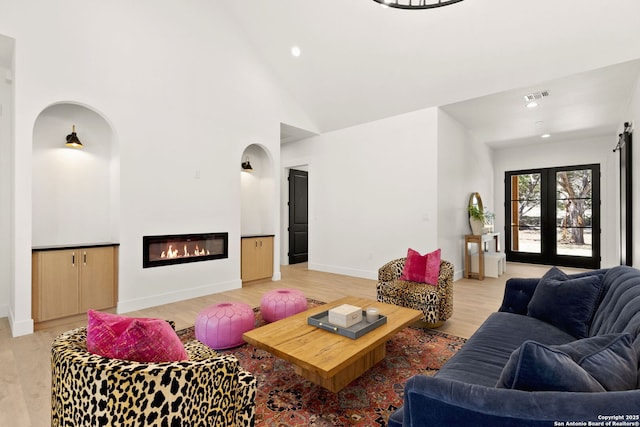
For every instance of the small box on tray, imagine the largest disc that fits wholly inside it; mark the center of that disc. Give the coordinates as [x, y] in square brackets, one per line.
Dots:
[345, 315]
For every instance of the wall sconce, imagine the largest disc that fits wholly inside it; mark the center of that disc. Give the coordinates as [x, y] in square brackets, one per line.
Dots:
[72, 139]
[246, 166]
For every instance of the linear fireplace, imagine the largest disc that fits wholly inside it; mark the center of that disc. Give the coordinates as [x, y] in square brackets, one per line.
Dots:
[182, 248]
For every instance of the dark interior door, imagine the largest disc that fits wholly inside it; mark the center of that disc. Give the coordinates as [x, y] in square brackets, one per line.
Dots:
[626, 198]
[298, 216]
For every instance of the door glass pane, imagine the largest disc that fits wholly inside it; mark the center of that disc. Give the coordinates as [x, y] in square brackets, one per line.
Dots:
[525, 213]
[573, 212]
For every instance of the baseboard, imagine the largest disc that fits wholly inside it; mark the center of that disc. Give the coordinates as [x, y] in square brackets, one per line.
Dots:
[183, 294]
[20, 327]
[373, 275]
[364, 274]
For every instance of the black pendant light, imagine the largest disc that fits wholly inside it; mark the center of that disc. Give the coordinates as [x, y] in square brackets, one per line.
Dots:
[72, 139]
[246, 166]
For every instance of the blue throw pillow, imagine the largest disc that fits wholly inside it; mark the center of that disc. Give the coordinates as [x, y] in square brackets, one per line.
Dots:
[536, 367]
[566, 303]
[611, 359]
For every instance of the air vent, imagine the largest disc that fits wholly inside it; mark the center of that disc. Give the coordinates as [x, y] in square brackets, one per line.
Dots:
[536, 95]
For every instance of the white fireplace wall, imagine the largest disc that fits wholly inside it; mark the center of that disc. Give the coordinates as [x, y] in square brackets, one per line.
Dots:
[184, 93]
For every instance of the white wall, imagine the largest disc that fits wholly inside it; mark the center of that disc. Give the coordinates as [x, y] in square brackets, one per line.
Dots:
[373, 192]
[464, 167]
[184, 94]
[566, 153]
[6, 167]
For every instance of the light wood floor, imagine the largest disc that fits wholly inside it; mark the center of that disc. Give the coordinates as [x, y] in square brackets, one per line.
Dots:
[25, 371]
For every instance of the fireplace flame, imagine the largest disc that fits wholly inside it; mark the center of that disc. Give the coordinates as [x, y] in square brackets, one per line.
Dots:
[170, 252]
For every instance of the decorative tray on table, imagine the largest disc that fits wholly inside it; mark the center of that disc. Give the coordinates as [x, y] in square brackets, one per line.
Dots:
[321, 320]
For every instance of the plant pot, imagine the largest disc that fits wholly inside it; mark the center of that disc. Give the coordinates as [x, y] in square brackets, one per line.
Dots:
[476, 226]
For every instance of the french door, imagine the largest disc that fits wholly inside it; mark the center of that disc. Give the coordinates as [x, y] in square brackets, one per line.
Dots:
[553, 216]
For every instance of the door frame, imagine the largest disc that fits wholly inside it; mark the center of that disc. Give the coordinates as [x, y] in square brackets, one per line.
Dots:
[298, 164]
[548, 245]
[291, 208]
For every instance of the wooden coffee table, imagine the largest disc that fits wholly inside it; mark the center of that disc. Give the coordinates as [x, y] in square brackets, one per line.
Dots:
[328, 359]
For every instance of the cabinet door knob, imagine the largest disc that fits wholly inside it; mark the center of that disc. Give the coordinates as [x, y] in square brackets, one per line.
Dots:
[84, 257]
[73, 258]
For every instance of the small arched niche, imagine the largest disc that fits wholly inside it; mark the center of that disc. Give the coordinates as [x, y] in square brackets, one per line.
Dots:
[76, 191]
[258, 192]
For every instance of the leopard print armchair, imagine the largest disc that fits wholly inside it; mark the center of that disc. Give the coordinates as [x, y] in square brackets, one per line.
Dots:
[435, 302]
[209, 389]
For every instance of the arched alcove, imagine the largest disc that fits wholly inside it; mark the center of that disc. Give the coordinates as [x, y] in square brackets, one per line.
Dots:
[75, 191]
[258, 192]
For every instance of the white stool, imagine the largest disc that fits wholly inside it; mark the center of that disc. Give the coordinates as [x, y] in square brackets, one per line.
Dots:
[503, 263]
[495, 263]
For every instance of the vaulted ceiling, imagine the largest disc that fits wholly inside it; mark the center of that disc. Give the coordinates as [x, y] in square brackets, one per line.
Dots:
[477, 59]
[361, 62]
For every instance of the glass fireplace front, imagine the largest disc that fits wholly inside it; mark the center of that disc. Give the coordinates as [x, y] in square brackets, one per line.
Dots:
[182, 248]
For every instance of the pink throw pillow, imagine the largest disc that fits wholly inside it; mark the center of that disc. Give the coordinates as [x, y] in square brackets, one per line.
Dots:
[422, 268]
[129, 338]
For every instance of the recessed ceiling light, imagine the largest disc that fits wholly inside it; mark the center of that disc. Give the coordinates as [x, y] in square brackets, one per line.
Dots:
[295, 51]
[545, 135]
[532, 104]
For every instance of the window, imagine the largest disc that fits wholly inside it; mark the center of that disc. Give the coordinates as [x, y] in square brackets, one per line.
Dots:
[553, 216]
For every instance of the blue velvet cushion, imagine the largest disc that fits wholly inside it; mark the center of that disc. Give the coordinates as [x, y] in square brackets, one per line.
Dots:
[536, 367]
[611, 359]
[566, 303]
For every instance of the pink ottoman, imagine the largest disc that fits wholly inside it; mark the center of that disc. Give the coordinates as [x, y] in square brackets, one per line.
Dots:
[221, 325]
[281, 303]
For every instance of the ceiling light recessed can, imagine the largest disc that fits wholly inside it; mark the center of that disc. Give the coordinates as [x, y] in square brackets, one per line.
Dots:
[295, 51]
[545, 135]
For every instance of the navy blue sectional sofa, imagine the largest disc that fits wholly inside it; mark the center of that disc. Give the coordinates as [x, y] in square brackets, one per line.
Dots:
[562, 350]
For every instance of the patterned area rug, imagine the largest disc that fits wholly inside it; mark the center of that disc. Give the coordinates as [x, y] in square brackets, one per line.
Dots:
[285, 399]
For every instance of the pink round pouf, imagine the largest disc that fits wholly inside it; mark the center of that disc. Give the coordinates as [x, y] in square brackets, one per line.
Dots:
[221, 325]
[281, 303]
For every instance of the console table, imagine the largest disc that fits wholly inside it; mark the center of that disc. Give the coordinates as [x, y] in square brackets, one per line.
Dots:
[481, 241]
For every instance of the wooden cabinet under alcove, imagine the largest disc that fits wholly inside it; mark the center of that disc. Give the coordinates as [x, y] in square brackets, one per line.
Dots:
[69, 280]
[256, 257]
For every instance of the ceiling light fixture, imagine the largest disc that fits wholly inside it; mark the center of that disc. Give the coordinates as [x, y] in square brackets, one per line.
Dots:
[532, 104]
[295, 51]
[545, 135]
[72, 139]
[416, 4]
